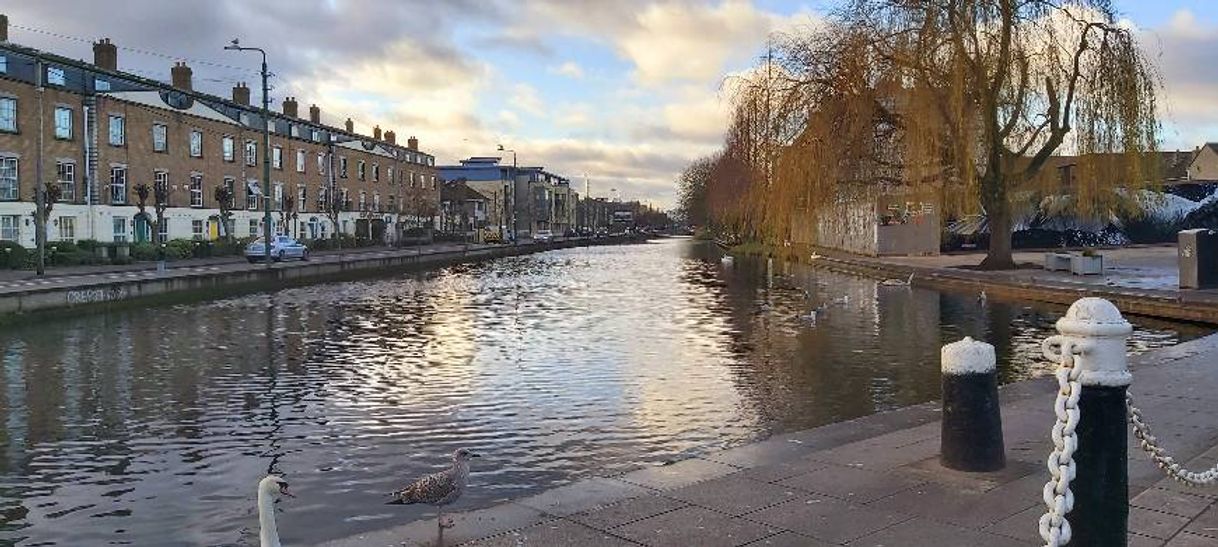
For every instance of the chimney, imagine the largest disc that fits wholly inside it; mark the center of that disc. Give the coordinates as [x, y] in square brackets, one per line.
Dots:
[390, 137]
[181, 76]
[376, 132]
[241, 94]
[350, 126]
[314, 114]
[290, 107]
[3, 27]
[412, 143]
[105, 54]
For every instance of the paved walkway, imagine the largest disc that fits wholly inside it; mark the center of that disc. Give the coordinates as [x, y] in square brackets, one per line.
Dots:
[874, 481]
[1139, 267]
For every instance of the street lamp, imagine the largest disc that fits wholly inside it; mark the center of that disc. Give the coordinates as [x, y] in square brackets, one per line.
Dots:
[512, 190]
[266, 150]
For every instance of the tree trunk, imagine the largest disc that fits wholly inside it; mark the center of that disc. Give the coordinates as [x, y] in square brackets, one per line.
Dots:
[998, 214]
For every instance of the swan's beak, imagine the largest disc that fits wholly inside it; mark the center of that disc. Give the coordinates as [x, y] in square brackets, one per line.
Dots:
[475, 455]
[283, 490]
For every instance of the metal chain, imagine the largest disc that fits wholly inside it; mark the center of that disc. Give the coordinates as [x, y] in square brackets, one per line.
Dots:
[1059, 500]
[1150, 444]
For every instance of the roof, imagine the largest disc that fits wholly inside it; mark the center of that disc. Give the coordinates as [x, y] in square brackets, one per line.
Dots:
[156, 100]
[458, 190]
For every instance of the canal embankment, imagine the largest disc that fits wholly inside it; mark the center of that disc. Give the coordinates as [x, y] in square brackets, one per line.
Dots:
[870, 481]
[105, 289]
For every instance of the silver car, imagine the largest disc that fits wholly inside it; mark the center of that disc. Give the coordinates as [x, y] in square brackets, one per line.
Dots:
[282, 248]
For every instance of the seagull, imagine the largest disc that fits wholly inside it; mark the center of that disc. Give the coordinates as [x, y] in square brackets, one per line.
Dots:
[809, 317]
[981, 298]
[438, 489]
[726, 260]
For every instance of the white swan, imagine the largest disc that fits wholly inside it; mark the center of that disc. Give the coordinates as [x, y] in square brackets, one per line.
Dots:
[269, 490]
[898, 282]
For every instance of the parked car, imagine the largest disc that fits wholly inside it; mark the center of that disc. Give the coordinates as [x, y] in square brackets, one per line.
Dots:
[570, 233]
[543, 235]
[282, 248]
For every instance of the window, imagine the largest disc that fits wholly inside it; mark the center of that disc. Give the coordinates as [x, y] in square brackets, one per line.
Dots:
[67, 228]
[376, 172]
[118, 185]
[160, 137]
[196, 230]
[251, 195]
[300, 160]
[253, 227]
[8, 114]
[346, 201]
[393, 204]
[301, 198]
[389, 174]
[120, 229]
[66, 176]
[363, 200]
[412, 180]
[277, 157]
[270, 125]
[162, 231]
[63, 122]
[342, 166]
[376, 201]
[3, 64]
[56, 76]
[10, 227]
[315, 135]
[160, 185]
[196, 190]
[196, 143]
[118, 131]
[321, 163]
[8, 179]
[433, 182]
[227, 144]
[101, 85]
[360, 171]
[251, 153]
[277, 196]
[230, 184]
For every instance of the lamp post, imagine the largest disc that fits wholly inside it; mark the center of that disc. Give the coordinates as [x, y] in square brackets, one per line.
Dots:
[266, 150]
[512, 193]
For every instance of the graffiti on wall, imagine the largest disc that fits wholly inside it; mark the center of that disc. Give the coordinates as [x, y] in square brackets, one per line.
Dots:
[909, 212]
[94, 296]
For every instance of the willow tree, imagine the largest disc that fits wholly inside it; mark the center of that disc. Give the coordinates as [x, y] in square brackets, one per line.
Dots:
[968, 98]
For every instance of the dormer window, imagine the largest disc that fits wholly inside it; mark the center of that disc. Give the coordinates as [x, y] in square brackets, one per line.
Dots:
[56, 76]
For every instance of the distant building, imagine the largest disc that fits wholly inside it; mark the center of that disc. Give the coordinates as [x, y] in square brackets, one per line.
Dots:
[107, 133]
[533, 198]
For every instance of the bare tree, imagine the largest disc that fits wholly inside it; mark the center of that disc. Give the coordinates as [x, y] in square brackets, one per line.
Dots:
[224, 200]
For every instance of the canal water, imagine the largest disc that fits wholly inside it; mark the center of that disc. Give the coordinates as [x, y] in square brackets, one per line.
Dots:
[152, 427]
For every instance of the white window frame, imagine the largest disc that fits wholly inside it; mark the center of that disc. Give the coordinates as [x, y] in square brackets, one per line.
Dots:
[300, 160]
[63, 122]
[251, 198]
[56, 76]
[302, 197]
[10, 228]
[251, 153]
[10, 178]
[118, 185]
[67, 228]
[160, 137]
[342, 167]
[118, 226]
[101, 85]
[376, 172]
[8, 114]
[254, 227]
[196, 190]
[198, 229]
[65, 175]
[117, 130]
[277, 157]
[321, 163]
[196, 143]
[361, 170]
[230, 148]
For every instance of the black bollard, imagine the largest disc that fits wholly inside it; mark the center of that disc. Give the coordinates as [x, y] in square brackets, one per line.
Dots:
[971, 434]
[1101, 483]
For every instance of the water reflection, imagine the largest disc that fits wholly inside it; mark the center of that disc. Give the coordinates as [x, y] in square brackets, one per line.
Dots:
[153, 426]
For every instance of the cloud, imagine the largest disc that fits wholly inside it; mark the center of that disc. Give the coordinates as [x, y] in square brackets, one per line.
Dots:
[570, 69]
[525, 97]
[673, 42]
[1182, 47]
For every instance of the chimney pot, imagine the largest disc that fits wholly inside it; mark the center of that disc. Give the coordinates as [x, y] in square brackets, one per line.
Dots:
[290, 107]
[241, 94]
[105, 54]
[181, 76]
[376, 132]
[314, 114]
[412, 143]
[350, 126]
[390, 137]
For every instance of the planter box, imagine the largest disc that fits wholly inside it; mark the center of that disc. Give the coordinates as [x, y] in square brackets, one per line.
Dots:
[1057, 261]
[1086, 265]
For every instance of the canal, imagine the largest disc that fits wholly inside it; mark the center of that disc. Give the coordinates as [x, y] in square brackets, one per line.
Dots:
[152, 427]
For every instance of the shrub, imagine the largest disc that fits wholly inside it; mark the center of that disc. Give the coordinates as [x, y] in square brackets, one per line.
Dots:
[143, 251]
[178, 249]
[12, 255]
[90, 245]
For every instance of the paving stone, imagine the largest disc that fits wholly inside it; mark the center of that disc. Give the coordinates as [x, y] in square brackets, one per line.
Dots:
[1154, 524]
[694, 526]
[779, 471]
[789, 539]
[964, 508]
[1136, 540]
[827, 519]
[1022, 526]
[554, 532]
[1206, 524]
[1187, 539]
[918, 532]
[734, 495]
[682, 473]
[761, 453]
[875, 455]
[627, 511]
[851, 484]
[930, 470]
[582, 496]
[469, 526]
[1175, 503]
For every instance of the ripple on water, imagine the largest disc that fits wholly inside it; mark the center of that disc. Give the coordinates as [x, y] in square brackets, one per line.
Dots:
[150, 424]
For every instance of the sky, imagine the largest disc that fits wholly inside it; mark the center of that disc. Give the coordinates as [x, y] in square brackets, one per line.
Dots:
[617, 94]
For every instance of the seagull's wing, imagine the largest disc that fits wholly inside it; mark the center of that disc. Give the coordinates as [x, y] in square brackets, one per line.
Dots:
[427, 489]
